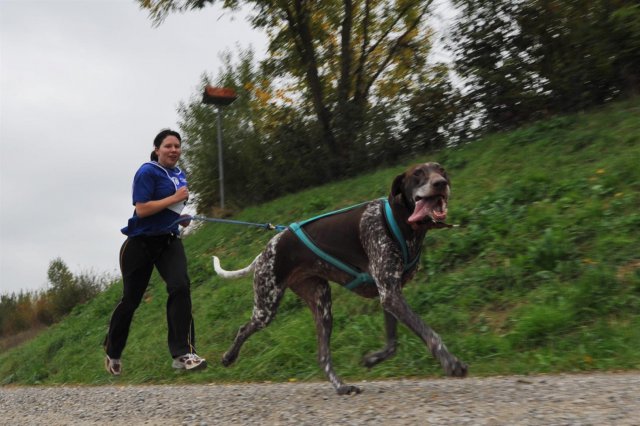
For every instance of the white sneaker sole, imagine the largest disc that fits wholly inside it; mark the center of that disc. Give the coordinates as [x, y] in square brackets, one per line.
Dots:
[181, 366]
[110, 369]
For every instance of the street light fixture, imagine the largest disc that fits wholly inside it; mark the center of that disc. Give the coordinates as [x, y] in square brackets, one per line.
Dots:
[219, 96]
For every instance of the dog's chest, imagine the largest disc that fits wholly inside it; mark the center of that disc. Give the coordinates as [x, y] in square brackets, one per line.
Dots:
[383, 251]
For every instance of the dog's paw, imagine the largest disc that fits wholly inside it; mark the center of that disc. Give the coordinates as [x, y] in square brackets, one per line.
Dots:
[372, 359]
[348, 390]
[227, 359]
[457, 368]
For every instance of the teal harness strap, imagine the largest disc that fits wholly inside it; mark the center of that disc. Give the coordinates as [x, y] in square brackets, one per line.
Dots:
[360, 277]
[333, 212]
[397, 233]
[395, 229]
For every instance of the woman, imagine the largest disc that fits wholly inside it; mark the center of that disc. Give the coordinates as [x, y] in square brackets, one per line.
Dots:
[159, 196]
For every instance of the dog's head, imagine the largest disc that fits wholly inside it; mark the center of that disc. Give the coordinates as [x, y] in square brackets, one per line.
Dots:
[424, 191]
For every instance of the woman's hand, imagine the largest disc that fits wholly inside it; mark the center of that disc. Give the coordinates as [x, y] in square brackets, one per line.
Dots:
[181, 194]
[152, 207]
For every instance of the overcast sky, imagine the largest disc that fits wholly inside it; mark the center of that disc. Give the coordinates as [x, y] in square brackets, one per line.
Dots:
[85, 85]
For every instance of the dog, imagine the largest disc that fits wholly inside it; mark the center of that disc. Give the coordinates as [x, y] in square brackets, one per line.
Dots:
[362, 238]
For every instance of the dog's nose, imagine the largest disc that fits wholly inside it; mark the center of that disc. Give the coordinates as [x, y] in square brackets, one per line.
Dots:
[439, 183]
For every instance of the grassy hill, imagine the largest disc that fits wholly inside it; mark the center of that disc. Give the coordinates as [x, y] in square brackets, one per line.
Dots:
[542, 276]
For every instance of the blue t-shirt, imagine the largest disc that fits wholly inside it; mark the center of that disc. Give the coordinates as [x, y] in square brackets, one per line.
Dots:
[154, 182]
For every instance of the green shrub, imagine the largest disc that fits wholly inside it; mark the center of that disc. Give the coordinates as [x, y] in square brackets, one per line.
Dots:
[545, 253]
[536, 325]
[596, 293]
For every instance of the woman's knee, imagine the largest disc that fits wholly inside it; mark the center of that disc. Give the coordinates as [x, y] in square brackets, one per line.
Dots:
[128, 305]
[179, 289]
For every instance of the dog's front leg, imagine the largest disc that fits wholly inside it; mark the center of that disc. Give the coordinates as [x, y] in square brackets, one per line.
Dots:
[391, 329]
[394, 302]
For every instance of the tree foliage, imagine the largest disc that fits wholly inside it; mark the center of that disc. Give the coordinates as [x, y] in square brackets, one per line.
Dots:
[268, 145]
[343, 57]
[332, 97]
[26, 310]
[525, 59]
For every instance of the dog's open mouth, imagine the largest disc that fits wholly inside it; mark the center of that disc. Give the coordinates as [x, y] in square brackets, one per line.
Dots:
[429, 209]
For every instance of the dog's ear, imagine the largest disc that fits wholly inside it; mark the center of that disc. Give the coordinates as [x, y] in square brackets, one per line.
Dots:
[397, 189]
[396, 186]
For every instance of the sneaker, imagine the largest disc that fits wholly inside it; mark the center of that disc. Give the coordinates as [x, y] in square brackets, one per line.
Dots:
[189, 362]
[113, 366]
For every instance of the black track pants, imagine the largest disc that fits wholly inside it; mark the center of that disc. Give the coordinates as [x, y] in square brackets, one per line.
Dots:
[138, 256]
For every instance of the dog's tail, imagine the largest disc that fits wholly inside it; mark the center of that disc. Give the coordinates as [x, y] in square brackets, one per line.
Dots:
[233, 274]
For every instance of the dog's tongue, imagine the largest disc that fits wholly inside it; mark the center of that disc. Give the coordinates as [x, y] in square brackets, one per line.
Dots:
[432, 208]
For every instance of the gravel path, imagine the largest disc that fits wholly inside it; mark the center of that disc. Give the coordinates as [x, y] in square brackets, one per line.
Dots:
[581, 399]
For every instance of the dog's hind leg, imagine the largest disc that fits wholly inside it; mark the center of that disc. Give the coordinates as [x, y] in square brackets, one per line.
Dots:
[266, 298]
[316, 293]
[391, 330]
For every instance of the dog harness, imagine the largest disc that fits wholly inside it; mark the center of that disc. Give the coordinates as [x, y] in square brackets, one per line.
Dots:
[359, 276]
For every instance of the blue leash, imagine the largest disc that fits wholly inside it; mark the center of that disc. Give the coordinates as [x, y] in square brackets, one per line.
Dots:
[267, 226]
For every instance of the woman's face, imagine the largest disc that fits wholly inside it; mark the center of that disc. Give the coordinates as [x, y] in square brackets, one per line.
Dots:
[169, 152]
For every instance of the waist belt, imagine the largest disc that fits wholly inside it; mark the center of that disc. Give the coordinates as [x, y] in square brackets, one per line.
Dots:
[359, 276]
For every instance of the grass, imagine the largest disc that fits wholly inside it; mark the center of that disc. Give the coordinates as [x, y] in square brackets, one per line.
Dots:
[542, 276]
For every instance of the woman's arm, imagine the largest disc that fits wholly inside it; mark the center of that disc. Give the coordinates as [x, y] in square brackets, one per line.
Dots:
[152, 207]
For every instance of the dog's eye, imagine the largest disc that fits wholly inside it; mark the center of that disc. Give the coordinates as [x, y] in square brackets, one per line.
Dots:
[417, 173]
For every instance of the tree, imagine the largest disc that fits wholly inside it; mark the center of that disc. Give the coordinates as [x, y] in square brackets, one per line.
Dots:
[67, 290]
[17, 313]
[8, 306]
[347, 56]
[433, 112]
[498, 70]
[587, 51]
[263, 134]
[524, 59]
[59, 276]
[62, 289]
[25, 310]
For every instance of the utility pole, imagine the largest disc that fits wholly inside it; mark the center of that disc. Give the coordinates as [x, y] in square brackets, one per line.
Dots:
[219, 96]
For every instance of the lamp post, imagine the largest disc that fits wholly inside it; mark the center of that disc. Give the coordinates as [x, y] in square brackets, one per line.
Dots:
[219, 96]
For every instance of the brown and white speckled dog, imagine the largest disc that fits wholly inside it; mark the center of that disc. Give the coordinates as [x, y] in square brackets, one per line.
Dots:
[361, 238]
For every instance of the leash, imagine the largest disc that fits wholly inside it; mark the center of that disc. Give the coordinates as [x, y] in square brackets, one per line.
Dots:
[280, 228]
[267, 226]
